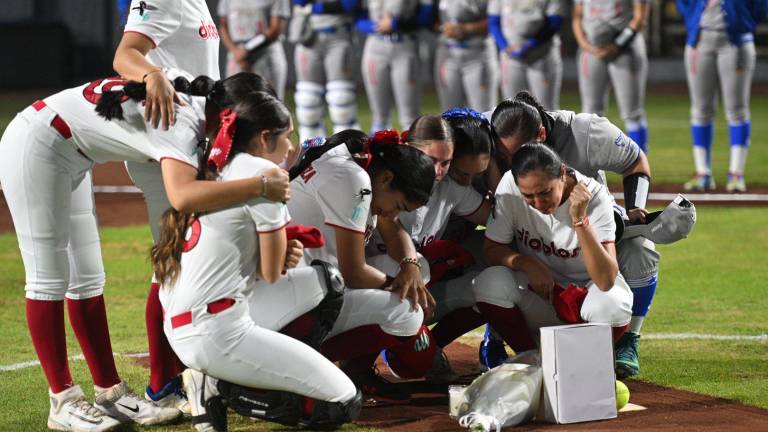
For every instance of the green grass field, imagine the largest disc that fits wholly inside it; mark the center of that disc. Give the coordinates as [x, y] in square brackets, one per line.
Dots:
[712, 283]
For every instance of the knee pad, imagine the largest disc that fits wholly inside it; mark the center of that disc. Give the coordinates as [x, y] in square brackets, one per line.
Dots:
[328, 310]
[342, 105]
[413, 357]
[309, 104]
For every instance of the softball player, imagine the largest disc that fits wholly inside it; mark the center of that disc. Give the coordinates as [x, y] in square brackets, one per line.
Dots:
[590, 144]
[526, 34]
[562, 224]
[720, 47]
[343, 188]
[612, 47]
[465, 64]
[390, 63]
[323, 61]
[225, 298]
[50, 149]
[251, 31]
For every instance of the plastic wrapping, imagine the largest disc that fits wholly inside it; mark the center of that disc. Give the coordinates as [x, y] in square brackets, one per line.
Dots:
[506, 395]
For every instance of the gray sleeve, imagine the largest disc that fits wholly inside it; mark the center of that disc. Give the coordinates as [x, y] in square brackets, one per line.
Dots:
[281, 8]
[608, 148]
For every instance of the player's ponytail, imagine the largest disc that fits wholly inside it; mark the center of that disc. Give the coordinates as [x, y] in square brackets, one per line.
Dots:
[166, 254]
[472, 134]
[355, 140]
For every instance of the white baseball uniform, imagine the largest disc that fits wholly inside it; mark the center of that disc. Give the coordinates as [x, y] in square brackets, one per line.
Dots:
[247, 19]
[185, 38]
[46, 180]
[335, 192]
[552, 240]
[241, 344]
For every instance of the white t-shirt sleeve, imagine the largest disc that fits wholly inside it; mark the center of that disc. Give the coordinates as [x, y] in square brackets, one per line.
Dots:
[501, 223]
[600, 211]
[157, 20]
[180, 141]
[345, 199]
[267, 215]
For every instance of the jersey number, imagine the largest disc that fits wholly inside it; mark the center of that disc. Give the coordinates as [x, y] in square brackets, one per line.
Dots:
[92, 93]
[192, 235]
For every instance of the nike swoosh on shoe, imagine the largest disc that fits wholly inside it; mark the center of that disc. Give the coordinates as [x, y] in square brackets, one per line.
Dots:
[132, 409]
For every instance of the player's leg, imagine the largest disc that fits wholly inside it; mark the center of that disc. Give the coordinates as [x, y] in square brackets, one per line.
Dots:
[629, 74]
[310, 90]
[341, 88]
[736, 65]
[37, 171]
[232, 66]
[613, 307]
[164, 366]
[478, 76]
[375, 68]
[639, 264]
[701, 71]
[546, 78]
[406, 81]
[448, 79]
[593, 83]
[513, 76]
[274, 67]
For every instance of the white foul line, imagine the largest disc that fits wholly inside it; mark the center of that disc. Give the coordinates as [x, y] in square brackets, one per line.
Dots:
[33, 363]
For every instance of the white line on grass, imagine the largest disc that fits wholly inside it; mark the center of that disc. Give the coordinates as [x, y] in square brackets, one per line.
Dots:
[33, 363]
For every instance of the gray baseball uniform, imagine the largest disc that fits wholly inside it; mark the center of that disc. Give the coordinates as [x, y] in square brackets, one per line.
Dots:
[602, 20]
[324, 71]
[390, 64]
[247, 19]
[542, 70]
[465, 69]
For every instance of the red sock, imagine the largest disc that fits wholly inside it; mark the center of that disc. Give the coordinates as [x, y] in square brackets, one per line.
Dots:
[164, 365]
[45, 320]
[510, 324]
[89, 320]
[618, 332]
[358, 342]
[301, 327]
[455, 324]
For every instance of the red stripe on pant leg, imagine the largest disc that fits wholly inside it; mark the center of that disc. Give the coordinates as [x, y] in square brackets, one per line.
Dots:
[454, 324]
[89, 320]
[618, 332]
[357, 342]
[45, 320]
[164, 365]
[510, 324]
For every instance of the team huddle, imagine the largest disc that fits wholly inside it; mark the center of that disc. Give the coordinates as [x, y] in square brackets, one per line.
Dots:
[282, 272]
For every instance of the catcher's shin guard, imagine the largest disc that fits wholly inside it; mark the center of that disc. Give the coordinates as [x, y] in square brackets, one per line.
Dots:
[289, 408]
[328, 310]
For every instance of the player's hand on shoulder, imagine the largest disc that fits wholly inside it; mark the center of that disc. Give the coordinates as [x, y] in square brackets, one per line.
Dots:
[579, 198]
[637, 215]
[293, 254]
[159, 102]
[277, 186]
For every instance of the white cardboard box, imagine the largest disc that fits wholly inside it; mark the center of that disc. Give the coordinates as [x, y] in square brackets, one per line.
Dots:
[579, 379]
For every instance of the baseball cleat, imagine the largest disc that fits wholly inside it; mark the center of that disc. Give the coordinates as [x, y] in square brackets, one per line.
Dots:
[374, 386]
[441, 371]
[700, 183]
[120, 402]
[627, 357]
[70, 411]
[202, 393]
[735, 184]
[491, 350]
[170, 396]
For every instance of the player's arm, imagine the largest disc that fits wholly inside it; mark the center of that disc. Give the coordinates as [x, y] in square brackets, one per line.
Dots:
[637, 186]
[272, 249]
[408, 281]
[480, 216]
[227, 40]
[539, 277]
[640, 14]
[578, 30]
[130, 62]
[277, 25]
[187, 194]
[350, 249]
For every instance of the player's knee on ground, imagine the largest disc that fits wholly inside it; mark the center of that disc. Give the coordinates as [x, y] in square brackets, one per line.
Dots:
[612, 307]
[499, 286]
[342, 106]
[637, 258]
[310, 109]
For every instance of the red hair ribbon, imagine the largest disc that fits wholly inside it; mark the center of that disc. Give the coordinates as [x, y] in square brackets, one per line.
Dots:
[386, 137]
[404, 137]
[223, 142]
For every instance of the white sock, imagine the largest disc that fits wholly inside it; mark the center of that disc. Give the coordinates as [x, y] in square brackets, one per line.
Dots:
[738, 159]
[700, 159]
[636, 324]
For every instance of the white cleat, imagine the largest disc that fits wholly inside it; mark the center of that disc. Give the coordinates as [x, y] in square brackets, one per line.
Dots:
[120, 402]
[199, 388]
[70, 411]
[170, 396]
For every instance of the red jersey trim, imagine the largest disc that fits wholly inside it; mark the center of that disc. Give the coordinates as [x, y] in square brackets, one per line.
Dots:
[276, 229]
[178, 160]
[151, 39]
[345, 228]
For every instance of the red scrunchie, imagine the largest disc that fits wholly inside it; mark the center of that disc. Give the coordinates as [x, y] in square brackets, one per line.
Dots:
[386, 137]
[222, 145]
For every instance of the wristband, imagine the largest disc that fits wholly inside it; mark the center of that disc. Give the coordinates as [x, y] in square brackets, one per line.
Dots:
[410, 260]
[624, 37]
[582, 222]
[144, 78]
[636, 188]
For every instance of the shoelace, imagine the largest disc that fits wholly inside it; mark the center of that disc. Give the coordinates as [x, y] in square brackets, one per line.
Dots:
[86, 407]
